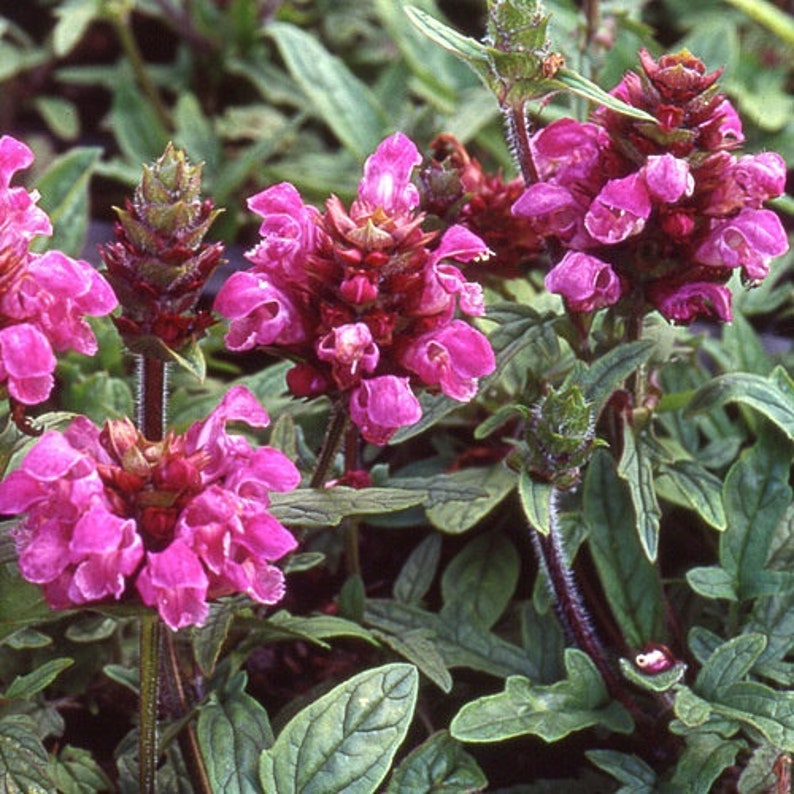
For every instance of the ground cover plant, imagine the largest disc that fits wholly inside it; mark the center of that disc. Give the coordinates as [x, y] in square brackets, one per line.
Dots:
[396, 397]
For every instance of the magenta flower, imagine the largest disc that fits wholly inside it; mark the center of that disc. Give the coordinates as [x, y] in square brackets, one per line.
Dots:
[349, 293]
[182, 521]
[653, 204]
[43, 297]
[585, 282]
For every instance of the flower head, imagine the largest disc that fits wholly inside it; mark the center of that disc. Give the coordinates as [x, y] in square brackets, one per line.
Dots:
[667, 209]
[182, 521]
[43, 297]
[159, 264]
[349, 294]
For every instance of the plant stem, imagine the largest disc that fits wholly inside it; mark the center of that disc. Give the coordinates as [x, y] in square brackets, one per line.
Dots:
[149, 698]
[519, 138]
[569, 605]
[120, 19]
[151, 397]
[337, 425]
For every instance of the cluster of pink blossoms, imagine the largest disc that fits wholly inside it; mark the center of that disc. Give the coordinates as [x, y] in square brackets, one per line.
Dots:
[364, 300]
[184, 520]
[657, 214]
[43, 297]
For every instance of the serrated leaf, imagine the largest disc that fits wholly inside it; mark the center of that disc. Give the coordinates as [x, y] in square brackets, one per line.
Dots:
[704, 759]
[536, 501]
[636, 469]
[74, 771]
[765, 709]
[756, 495]
[634, 772]
[418, 571]
[630, 581]
[232, 731]
[729, 663]
[346, 104]
[344, 741]
[64, 197]
[482, 577]
[772, 396]
[440, 764]
[23, 759]
[24, 687]
[312, 507]
[692, 710]
[697, 487]
[550, 712]
[608, 372]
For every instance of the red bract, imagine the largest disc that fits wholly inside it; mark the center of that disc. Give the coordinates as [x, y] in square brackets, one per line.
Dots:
[358, 297]
[182, 521]
[43, 297]
[665, 208]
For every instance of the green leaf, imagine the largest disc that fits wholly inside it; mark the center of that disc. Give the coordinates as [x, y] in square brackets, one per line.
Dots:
[765, 709]
[728, 664]
[476, 493]
[696, 487]
[312, 507]
[418, 571]
[346, 104]
[207, 640]
[712, 582]
[608, 372]
[137, 128]
[25, 687]
[232, 731]
[420, 647]
[550, 712]
[64, 197]
[344, 741]
[772, 396]
[756, 496]
[536, 501]
[630, 581]
[74, 771]
[482, 578]
[23, 759]
[692, 710]
[439, 764]
[656, 682]
[634, 772]
[705, 758]
[314, 628]
[60, 115]
[21, 603]
[73, 18]
[580, 86]
[636, 469]
[461, 640]
[195, 134]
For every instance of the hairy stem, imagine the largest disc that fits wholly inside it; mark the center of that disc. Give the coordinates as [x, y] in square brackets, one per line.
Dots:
[519, 139]
[149, 672]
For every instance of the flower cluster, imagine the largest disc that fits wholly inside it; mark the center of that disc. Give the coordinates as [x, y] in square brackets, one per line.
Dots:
[454, 187]
[43, 297]
[659, 214]
[363, 299]
[183, 520]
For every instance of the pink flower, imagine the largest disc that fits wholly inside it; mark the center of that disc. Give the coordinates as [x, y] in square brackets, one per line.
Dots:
[345, 292]
[43, 297]
[181, 521]
[749, 240]
[451, 357]
[619, 210]
[259, 312]
[686, 302]
[585, 282]
[387, 176]
[382, 405]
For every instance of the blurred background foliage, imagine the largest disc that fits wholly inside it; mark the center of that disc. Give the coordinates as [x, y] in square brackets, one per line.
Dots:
[303, 90]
